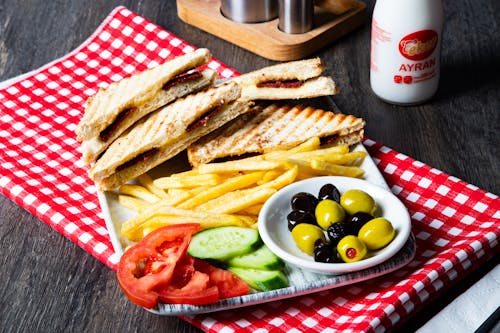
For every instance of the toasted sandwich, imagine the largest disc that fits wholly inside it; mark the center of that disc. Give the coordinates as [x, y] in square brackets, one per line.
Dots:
[275, 127]
[117, 107]
[289, 80]
[165, 133]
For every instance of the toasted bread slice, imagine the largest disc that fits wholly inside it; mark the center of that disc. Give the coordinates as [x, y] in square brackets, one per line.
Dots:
[92, 148]
[289, 80]
[102, 109]
[275, 127]
[165, 133]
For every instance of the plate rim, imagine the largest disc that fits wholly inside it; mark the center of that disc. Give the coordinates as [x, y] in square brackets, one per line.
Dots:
[375, 177]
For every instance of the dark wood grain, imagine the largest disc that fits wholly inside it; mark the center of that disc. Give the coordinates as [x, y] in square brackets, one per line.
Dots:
[50, 284]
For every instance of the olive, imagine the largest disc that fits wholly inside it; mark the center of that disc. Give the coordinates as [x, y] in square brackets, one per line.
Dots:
[306, 237]
[325, 252]
[377, 233]
[357, 220]
[351, 249]
[304, 201]
[328, 212]
[337, 231]
[297, 216]
[355, 201]
[329, 191]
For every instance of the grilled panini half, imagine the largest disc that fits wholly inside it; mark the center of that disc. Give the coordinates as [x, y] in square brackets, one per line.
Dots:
[275, 127]
[290, 80]
[117, 107]
[165, 133]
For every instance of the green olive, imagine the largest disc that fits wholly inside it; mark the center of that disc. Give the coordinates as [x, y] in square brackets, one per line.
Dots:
[306, 235]
[377, 233]
[328, 212]
[355, 201]
[351, 249]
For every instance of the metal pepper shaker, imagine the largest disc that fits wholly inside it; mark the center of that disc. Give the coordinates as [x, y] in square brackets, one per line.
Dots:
[250, 11]
[296, 16]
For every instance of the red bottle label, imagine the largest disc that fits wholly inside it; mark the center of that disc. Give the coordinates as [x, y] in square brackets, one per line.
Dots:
[418, 45]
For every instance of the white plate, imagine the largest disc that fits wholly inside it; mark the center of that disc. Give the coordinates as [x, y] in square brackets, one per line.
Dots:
[273, 225]
[301, 281]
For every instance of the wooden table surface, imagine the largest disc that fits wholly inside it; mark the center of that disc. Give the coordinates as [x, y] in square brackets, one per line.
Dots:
[49, 284]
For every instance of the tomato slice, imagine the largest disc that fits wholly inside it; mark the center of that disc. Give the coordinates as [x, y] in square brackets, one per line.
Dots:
[228, 284]
[189, 286]
[195, 292]
[149, 265]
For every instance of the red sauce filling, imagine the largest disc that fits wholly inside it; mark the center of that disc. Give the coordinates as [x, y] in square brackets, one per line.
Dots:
[143, 157]
[328, 139]
[204, 119]
[280, 84]
[181, 78]
[108, 131]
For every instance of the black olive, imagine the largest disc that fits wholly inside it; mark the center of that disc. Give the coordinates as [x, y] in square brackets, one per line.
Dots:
[329, 191]
[325, 252]
[337, 231]
[297, 216]
[304, 201]
[357, 220]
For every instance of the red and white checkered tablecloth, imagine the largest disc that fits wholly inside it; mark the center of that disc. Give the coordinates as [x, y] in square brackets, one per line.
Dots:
[457, 225]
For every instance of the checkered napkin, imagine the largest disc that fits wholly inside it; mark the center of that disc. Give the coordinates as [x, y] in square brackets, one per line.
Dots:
[456, 224]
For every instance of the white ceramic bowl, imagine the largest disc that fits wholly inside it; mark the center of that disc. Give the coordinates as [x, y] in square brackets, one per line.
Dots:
[273, 225]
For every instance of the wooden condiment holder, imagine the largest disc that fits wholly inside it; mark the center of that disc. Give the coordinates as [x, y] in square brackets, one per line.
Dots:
[265, 39]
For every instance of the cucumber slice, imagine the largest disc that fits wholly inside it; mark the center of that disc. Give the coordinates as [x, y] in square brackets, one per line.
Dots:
[260, 279]
[223, 243]
[262, 258]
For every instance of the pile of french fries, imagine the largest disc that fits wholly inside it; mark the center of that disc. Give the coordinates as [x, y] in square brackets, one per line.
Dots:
[229, 193]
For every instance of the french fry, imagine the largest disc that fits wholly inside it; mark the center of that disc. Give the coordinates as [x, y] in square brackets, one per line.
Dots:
[239, 165]
[337, 170]
[248, 219]
[158, 215]
[284, 179]
[138, 191]
[337, 158]
[304, 168]
[132, 203]
[308, 145]
[254, 226]
[176, 196]
[146, 181]
[187, 181]
[237, 200]
[205, 222]
[268, 176]
[252, 210]
[229, 185]
[229, 193]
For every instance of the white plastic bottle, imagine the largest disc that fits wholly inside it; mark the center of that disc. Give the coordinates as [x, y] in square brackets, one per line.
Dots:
[405, 50]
